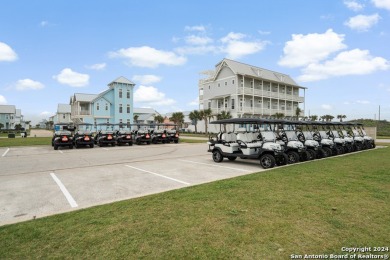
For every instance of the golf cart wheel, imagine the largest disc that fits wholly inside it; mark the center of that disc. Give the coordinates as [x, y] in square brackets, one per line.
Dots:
[267, 161]
[91, 145]
[131, 143]
[304, 156]
[293, 157]
[154, 141]
[176, 141]
[113, 144]
[217, 156]
[327, 151]
[232, 158]
[55, 147]
[313, 154]
[71, 146]
[281, 159]
[359, 146]
[340, 150]
[138, 142]
[148, 142]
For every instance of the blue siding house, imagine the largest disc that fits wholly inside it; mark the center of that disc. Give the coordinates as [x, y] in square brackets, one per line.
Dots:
[114, 106]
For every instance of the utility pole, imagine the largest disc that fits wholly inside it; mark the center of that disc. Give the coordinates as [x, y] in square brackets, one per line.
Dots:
[379, 113]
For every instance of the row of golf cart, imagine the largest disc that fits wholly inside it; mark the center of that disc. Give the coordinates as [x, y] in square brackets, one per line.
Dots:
[88, 135]
[281, 142]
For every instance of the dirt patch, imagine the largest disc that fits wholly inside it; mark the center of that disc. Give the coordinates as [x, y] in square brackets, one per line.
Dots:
[41, 133]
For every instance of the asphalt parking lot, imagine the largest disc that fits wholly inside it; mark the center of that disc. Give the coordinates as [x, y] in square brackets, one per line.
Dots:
[39, 181]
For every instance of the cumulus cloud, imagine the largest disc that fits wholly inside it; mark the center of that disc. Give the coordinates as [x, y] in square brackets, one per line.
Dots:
[7, 53]
[151, 96]
[362, 22]
[148, 57]
[198, 40]
[353, 62]
[326, 107]
[353, 5]
[194, 102]
[72, 78]
[97, 66]
[146, 79]
[385, 4]
[28, 84]
[3, 101]
[236, 47]
[303, 50]
[199, 28]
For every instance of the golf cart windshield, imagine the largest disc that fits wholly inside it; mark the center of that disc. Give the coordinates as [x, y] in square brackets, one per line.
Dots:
[308, 135]
[291, 136]
[268, 136]
[323, 134]
[335, 134]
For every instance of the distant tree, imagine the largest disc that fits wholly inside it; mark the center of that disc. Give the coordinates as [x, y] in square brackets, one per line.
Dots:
[341, 117]
[224, 115]
[195, 116]
[278, 115]
[313, 117]
[51, 124]
[1, 125]
[298, 111]
[206, 114]
[327, 118]
[47, 124]
[18, 127]
[38, 126]
[177, 118]
[159, 118]
[135, 118]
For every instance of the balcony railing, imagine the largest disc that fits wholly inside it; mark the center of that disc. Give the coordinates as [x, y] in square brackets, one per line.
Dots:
[270, 94]
[257, 110]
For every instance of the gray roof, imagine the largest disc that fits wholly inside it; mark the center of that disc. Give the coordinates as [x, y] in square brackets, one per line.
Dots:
[141, 110]
[7, 109]
[84, 97]
[255, 72]
[64, 108]
[122, 80]
[144, 117]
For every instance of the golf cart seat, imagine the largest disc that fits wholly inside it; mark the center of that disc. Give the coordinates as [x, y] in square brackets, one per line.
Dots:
[247, 140]
[229, 139]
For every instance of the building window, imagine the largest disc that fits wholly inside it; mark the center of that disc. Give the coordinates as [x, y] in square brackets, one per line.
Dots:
[63, 116]
[120, 93]
[225, 83]
[128, 94]
[128, 109]
[97, 106]
[120, 108]
[120, 121]
[94, 121]
[232, 103]
[108, 121]
[233, 81]
[219, 85]
[128, 122]
[209, 86]
[106, 106]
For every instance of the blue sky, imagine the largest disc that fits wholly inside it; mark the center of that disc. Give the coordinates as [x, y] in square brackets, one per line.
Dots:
[49, 50]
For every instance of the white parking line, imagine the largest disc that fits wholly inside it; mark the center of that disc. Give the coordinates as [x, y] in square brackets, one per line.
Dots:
[60, 151]
[172, 179]
[69, 197]
[215, 165]
[5, 152]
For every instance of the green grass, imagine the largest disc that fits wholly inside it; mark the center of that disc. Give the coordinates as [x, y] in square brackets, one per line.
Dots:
[9, 142]
[184, 140]
[194, 135]
[383, 137]
[312, 208]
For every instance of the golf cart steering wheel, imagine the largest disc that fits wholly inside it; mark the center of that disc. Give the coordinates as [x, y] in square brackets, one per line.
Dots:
[301, 137]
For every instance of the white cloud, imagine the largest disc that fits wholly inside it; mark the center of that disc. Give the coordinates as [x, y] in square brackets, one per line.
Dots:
[199, 28]
[363, 102]
[197, 50]
[46, 114]
[44, 23]
[151, 96]
[7, 53]
[97, 66]
[303, 50]
[353, 62]
[385, 4]
[326, 107]
[194, 102]
[148, 57]
[264, 32]
[362, 22]
[146, 79]
[3, 101]
[28, 84]
[353, 5]
[72, 78]
[198, 40]
[236, 48]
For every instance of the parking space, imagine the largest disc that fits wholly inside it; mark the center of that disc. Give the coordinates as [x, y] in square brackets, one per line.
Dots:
[39, 181]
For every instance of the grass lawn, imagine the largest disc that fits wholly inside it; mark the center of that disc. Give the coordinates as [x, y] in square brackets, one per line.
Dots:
[9, 142]
[383, 137]
[311, 208]
[194, 135]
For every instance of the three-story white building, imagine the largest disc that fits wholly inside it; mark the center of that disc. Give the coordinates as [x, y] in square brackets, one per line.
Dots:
[243, 90]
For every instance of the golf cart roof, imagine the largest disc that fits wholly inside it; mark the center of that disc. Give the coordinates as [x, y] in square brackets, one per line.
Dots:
[246, 121]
